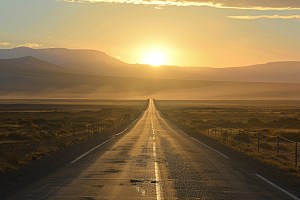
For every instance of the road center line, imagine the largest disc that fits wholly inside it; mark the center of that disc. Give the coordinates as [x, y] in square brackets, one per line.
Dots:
[210, 148]
[157, 175]
[277, 187]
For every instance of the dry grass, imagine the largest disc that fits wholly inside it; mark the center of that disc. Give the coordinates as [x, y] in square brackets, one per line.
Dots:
[268, 120]
[34, 157]
[12, 159]
[292, 169]
[266, 146]
[29, 134]
[264, 155]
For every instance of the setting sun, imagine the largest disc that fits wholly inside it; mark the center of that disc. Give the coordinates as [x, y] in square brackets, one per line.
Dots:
[155, 58]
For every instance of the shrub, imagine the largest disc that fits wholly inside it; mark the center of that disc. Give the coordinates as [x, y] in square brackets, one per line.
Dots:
[33, 127]
[255, 121]
[41, 153]
[43, 133]
[3, 136]
[194, 121]
[51, 136]
[243, 137]
[77, 140]
[57, 125]
[22, 122]
[283, 148]
[26, 137]
[63, 132]
[62, 145]
[36, 136]
[46, 135]
[266, 131]
[292, 169]
[14, 135]
[61, 139]
[271, 139]
[265, 146]
[34, 157]
[45, 127]
[12, 159]
[32, 131]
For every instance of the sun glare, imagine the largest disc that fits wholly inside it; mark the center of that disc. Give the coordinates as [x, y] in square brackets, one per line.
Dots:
[155, 58]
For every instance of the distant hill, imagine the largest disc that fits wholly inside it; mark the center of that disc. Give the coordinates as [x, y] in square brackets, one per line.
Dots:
[102, 68]
[287, 71]
[27, 82]
[60, 55]
[34, 63]
[136, 70]
[99, 63]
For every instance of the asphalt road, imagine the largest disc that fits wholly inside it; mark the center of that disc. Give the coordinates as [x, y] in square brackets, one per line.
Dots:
[152, 160]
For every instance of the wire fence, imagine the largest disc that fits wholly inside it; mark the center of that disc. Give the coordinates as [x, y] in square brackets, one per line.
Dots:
[270, 148]
[285, 151]
[87, 130]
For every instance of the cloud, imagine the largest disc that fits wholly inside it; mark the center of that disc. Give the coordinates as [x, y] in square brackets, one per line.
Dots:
[5, 43]
[238, 4]
[265, 16]
[30, 45]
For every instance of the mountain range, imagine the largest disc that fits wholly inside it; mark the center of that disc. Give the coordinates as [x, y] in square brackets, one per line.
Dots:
[65, 73]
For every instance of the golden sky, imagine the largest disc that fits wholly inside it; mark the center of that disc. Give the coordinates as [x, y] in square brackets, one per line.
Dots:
[217, 33]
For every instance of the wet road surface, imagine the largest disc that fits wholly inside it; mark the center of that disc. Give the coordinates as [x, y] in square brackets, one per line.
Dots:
[152, 160]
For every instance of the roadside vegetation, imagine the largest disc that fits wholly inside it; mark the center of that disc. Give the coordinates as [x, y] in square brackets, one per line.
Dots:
[29, 134]
[265, 131]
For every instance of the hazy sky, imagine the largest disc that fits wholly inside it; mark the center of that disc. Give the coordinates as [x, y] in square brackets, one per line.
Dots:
[217, 33]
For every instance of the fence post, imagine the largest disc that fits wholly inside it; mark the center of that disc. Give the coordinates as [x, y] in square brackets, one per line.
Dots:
[215, 130]
[221, 132]
[277, 145]
[227, 134]
[208, 131]
[258, 142]
[74, 132]
[296, 154]
[248, 138]
[239, 137]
